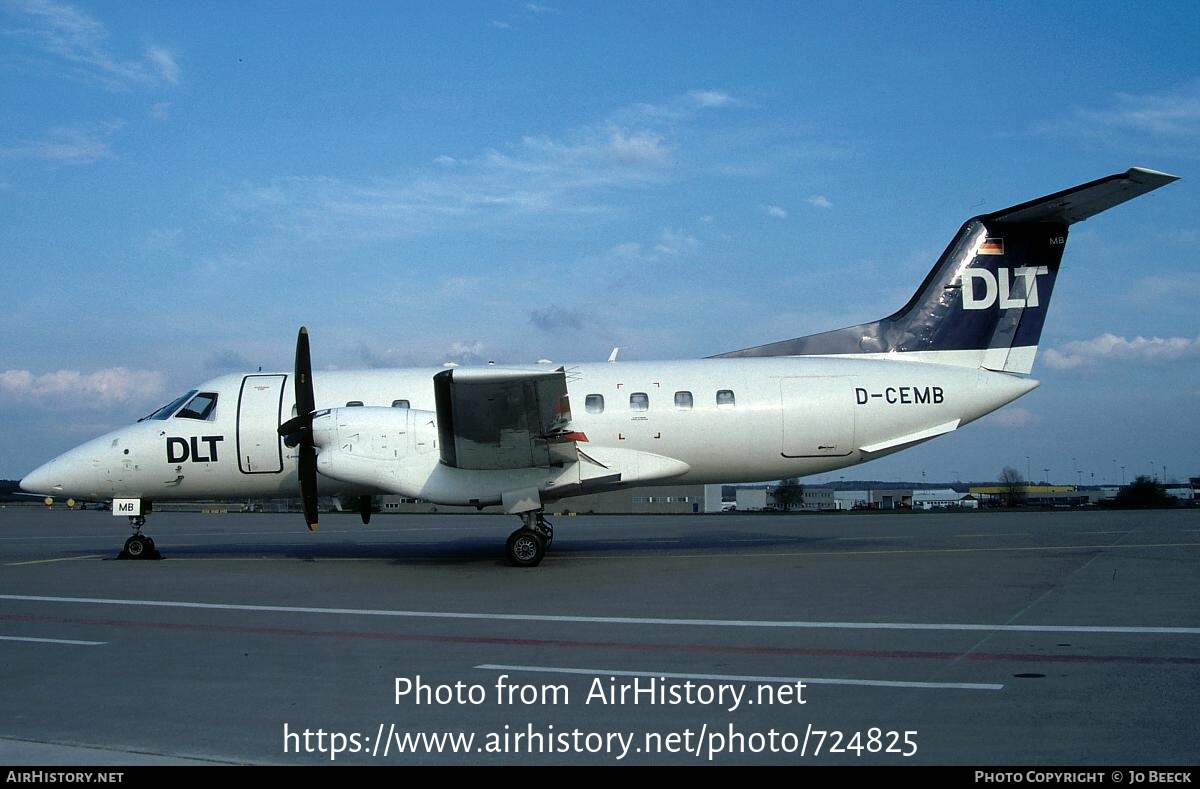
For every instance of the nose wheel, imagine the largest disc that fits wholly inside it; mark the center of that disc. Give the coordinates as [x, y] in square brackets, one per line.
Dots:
[139, 546]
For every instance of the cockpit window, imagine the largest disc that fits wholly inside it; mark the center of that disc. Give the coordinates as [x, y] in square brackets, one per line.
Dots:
[199, 407]
[168, 409]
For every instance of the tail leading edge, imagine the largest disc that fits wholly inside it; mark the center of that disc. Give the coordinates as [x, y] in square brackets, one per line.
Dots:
[984, 302]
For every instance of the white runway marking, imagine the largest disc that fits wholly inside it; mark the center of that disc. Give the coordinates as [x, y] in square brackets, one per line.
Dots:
[54, 641]
[51, 561]
[877, 683]
[612, 620]
[874, 537]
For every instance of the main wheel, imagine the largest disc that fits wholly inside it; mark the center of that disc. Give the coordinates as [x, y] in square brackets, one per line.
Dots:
[137, 546]
[525, 548]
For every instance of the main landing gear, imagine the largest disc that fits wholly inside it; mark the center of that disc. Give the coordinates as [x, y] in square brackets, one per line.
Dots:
[139, 546]
[528, 545]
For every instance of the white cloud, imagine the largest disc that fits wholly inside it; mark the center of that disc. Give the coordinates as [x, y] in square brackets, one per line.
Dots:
[164, 62]
[465, 351]
[637, 148]
[1110, 349]
[711, 98]
[161, 111]
[501, 24]
[79, 44]
[673, 242]
[577, 172]
[1171, 117]
[537, 176]
[776, 211]
[630, 250]
[83, 390]
[819, 201]
[668, 244]
[67, 144]
[604, 146]
[677, 109]
[1172, 114]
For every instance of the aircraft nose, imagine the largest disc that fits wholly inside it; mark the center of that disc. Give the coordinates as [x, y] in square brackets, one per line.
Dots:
[43, 479]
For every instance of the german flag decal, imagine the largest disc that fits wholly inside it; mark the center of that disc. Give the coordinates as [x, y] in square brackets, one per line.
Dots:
[992, 246]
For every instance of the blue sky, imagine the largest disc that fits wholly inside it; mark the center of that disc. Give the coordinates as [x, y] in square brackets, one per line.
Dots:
[183, 184]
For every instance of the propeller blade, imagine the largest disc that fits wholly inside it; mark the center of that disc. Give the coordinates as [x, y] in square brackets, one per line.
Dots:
[308, 484]
[305, 402]
[364, 509]
[298, 430]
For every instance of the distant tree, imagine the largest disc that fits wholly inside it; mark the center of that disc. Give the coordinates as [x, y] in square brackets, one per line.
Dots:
[9, 490]
[1144, 492]
[789, 494]
[1013, 485]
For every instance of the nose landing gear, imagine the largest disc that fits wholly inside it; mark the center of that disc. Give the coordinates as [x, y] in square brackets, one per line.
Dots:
[139, 546]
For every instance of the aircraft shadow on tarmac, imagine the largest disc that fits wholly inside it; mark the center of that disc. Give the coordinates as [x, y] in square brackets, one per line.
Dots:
[487, 549]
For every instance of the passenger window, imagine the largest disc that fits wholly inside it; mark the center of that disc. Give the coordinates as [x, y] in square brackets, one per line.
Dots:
[400, 404]
[594, 404]
[725, 398]
[683, 400]
[199, 407]
[354, 403]
[639, 401]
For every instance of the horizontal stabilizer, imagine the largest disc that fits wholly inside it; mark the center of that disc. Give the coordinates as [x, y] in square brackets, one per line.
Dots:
[1086, 200]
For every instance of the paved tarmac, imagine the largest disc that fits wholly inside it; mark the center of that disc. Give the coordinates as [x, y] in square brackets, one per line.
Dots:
[1004, 639]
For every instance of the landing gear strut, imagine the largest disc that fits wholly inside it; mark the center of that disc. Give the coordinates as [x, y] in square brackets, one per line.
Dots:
[139, 546]
[528, 545]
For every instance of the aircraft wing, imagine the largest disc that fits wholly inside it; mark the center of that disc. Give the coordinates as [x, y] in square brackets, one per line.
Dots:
[503, 418]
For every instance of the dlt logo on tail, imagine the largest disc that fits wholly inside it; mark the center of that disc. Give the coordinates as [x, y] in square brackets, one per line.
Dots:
[1000, 286]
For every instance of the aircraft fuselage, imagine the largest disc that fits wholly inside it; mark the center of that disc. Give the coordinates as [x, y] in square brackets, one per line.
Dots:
[709, 420]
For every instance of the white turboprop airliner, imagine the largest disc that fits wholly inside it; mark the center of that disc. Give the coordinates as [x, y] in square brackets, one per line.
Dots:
[520, 437]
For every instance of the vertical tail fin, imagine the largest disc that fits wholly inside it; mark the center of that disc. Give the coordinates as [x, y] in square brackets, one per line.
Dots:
[984, 302]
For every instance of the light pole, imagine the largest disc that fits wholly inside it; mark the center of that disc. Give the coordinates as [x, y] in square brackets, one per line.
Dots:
[1028, 473]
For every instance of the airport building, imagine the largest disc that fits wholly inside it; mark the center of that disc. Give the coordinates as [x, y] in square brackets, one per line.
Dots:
[811, 499]
[942, 499]
[1036, 496]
